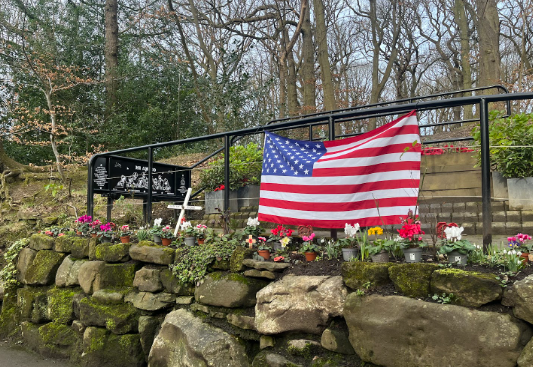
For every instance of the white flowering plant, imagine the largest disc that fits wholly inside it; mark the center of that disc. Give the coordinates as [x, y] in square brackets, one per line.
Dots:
[157, 228]
[453, 242]
[351, 233]
[188, 229]
[512, 260]
[253, 227]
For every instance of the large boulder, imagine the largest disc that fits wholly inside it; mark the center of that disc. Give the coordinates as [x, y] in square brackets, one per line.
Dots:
[228, 290]
[119, 252]
[299, 303]
[149, 252]
[25, 259]
[519, 296]
[397, 331]
[68, 271]
[80, 247]
[60, 306]
[358, 274]
[147, 280]
[185, 340]
[413, 280]
[41, 242]
[32, 303]
[89, 275]
[52, 339]
[64, 244]
[469, 288]
[43, 268]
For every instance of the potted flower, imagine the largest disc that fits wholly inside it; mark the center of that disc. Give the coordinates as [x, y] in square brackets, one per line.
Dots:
[263, 249]
[167, 234]
[411, 238]
[189, 233]
[380, 250]
[125, 233]
[253, 227]
[156, 230]
[94, 227]
[309, 248]
[106, 232]
[277, 234]
[349, 244]
[520, 241]
[82, 224]
[201, 233]
[456, 249]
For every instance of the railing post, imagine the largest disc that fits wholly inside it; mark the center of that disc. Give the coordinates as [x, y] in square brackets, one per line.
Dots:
[331, 136]
[227, 144]
[485, 174]
[149, 199]
[90, 186]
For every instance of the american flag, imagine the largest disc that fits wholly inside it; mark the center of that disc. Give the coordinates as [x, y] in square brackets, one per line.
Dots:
[371, 179]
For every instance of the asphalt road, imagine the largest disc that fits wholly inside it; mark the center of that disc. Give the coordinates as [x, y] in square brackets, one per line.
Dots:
[17, 356]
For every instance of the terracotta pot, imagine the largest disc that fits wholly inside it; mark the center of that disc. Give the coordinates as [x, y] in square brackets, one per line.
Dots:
[166, 241]
[78, 233]
[201, 241]
[310, 256]
[94, 235]
[125, 239]
[525, 257]
[264, 253]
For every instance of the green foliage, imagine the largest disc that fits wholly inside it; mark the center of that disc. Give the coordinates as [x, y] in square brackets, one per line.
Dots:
[309, 247]
[380, 245]
[193, 262]
[143, 235]
[8, 274]
[332, 249]
[444, 298]
[54, 188]
[516, 130]
[245, 168]
[463, 246]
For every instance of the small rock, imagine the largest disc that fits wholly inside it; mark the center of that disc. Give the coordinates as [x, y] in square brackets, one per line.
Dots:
[302, 347]
[254, 273]
[147, 280]
[265, 265]
[41, 242]
[336, 340]
[78, 327]
[266, 341]
[184, 300]
[151, 301]
[108, 296]
[243, 322]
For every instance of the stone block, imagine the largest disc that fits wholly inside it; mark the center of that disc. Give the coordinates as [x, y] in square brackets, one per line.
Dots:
[520, 193]
[184, 300]
[514, 216]
[527, 215]
[458, 217]
[357, 274]
[89, 275]
[266, 341]
[266, 265]
[228, 290]
[63, 244]
[459, 207]
[80, 248]
[444, 217]
[102, 349]
[147, 251]
[527, 227]
[119, 252]
[148, 328]
[473, 206]
[469, 228]
[147, 280]
[52, 340]
[434, 208]
[265, 274]
[151, 301]
[497, 206]
[111, 296]
[43, 268]
[499, 217]
[513, 228]
[336, 340]
[41, 242]
[173, 285]
[241, 321]
[237, 258]
[215, 199]
[25, 259]
[117, 275]
[446, 207]
[68, 271]
[60, 306]
[118, 318]
[31, 303]
[471, 217]
[499, 228]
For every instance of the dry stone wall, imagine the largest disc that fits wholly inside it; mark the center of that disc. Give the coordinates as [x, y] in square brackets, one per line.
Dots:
[117, 305]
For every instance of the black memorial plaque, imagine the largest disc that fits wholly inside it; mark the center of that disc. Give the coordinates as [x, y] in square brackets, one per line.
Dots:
[128, 176]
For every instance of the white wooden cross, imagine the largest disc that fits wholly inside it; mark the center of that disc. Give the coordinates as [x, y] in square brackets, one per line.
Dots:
[183, 208]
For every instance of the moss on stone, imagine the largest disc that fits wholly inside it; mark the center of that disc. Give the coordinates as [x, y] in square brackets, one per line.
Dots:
[40, 241]
[80, 247]
[43, 269]
[237, 257]
[103, 349]
[357, 274]
[64, 244]
[27, 298]
[9, 315]
[118, 275]
[112, 253]
[117, 318]
[60, 306]
[414, 279]
[57, 333]
[148, 243]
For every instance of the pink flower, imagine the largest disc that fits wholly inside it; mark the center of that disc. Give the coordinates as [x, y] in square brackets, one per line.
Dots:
[61, 234]
[308, 238]
[279, 258]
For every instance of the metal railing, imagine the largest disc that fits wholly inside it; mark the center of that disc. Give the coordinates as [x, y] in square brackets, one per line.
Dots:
[330, 118]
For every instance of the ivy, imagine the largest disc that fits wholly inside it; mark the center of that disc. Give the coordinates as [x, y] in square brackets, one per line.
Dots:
[192, 266]
[9, 273]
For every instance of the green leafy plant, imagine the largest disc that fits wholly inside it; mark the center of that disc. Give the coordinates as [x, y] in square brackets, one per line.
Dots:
[245, 168]
[143, 234]
[53, 188]
[359, 292]
[381, 245]
[463, 246]
[8, 274]
[504, 133]
[444, 298]
[332, 249]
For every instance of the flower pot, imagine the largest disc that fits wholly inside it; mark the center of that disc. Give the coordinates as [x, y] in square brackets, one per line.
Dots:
[349, 253]
[276, 246]
[264, 253]
[525, 257]
[413, 255]
[382, 257]
[125, 239]
[94, 235]
[201, 241]
[157, 239]
[520, 193]
[310, 256]
[104, 239]
[78, 233]
[166, 241]
[190, 241]
[455, 257]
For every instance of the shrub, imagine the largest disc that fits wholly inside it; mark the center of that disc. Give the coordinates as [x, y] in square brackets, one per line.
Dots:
[245, 168]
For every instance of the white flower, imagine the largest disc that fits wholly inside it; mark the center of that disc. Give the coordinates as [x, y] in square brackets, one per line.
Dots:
[157, 222]
[186, 225]
[505, 251]
[519, 253]
[350, 230]
[453, 233]
[252, 222]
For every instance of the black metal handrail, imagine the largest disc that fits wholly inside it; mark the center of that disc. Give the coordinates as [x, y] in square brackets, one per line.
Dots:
[371, 111]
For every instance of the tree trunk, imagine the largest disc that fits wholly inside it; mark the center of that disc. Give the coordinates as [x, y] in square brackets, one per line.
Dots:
[292, 93]
[52, 135]
[323, 56]
[308, 67]
[111, 54]
[488, 23]
[7, 163]
[462, 24]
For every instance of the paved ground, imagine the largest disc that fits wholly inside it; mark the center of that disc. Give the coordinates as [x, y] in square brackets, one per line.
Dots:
[17, 356]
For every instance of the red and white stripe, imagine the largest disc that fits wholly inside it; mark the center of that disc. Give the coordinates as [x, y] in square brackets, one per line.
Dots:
[370, 179]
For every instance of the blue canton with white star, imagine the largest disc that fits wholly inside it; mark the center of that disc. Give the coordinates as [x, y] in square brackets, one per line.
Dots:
[289, 157]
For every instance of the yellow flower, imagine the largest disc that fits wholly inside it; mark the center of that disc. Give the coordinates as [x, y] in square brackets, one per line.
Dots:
[375, 230]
